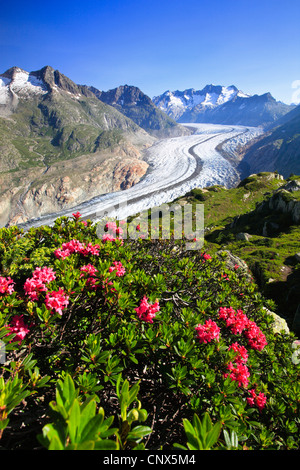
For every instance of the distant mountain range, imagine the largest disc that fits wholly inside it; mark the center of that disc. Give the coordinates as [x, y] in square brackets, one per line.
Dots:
[221, 105]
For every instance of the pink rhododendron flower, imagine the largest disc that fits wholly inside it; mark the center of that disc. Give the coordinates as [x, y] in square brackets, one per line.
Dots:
[33, 287]
[108, 283]
[239, 373]
[225, 312]
[146, 311]
[206, 256]
[235, 320]
[91, 283]
[19, 328]
[37, 283]
[257, 400]
[62, 254]
[114, 230]
[107, 237]
[6, 285]
[44, 274]
[242, 354]
[255, 337]
[89, 269]
[208, 332]
[75, 246]
[111, 226]
[57, 301]
[90, 249]
[118, 267]
[77, 215]
[238, 322]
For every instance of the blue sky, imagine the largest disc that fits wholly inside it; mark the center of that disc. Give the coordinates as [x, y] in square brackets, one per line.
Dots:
[158, 45]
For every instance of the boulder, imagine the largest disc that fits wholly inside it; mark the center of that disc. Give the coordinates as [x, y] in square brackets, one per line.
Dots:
[232, 261]
[279, 325]
[243, 236]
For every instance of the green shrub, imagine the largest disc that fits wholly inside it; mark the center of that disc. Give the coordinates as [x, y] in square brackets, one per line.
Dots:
[99, 327]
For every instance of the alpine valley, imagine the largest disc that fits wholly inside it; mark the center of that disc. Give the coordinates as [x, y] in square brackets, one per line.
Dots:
[61, 145]
[64, 144]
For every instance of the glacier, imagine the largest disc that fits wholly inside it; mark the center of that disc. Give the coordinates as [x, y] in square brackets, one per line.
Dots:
[176, 165]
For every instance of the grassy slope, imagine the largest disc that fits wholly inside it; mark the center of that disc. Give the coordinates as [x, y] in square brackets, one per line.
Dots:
[271, 258]
[56, 128]
[279, 150]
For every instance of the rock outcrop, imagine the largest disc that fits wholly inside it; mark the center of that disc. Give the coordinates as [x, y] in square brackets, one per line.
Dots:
[282, 201]
[69, 183]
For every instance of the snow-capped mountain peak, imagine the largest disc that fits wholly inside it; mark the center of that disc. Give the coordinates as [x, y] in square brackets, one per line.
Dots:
[176, 103]
[18, 82]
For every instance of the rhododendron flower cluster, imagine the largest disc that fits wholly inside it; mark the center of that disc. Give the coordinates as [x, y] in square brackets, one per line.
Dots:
[257, 400]
[238, 323]
[114, 228]
[113, 232]
[256, 338]
[57, 301]
[208, 332]
[239, 373]
[206, 256]
[108, 237]
[18, 327]
[146, 311]
[6, 285]
[75, 246]
[91, 283]
[242, 354]
[90, 249]
[118, 267]
[89, 269]
[37, 283]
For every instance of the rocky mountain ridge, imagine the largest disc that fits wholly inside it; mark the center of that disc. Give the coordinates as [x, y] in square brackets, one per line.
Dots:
[277, 150]
[60, 144]
[134, 104]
